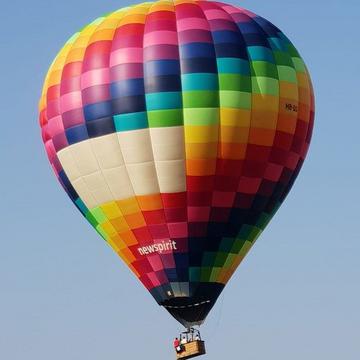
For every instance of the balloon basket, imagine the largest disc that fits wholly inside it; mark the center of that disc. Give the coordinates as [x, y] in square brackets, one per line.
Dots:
[191, 344]
[191, 349]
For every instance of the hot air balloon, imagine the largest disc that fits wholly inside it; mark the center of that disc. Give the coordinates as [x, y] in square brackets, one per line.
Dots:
[178, 128]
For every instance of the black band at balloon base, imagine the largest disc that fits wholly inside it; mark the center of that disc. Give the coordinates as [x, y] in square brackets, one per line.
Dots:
[190, 310]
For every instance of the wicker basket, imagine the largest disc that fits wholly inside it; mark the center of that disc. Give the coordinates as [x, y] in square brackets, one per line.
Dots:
[192, 349]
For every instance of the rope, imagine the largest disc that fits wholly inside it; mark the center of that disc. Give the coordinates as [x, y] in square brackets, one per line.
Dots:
[217, 320]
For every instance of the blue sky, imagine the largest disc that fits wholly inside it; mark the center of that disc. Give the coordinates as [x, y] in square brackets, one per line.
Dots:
[65, 295]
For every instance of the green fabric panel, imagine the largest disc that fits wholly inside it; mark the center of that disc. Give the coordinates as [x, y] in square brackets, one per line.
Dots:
[102, 233]
[287, 73]
[201, 116]
[215, 272]
[229, 260]
[299, 65]
[255, 233]
[235, 82]
[220, 259]
[91, 219]
[200, 99]
[238, 244]
[292, 50]
[98, 214]
[282, 58]
[265, 85]
[164, 118]
[245, 248]
[205, 274]
[235, 99]
[264, 68]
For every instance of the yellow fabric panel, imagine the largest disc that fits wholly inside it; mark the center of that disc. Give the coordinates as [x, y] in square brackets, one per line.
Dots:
[235, 117]
[111, 210]
[128, 206]
[102, 35]
[201, 134]
[110, 22]
[120, 224]
[76, 54]
[113, 245]
[162, 6]
[131, 19]
[201, 150]
[118, 242]
[108, 228]
[178, 2]
[54, 78]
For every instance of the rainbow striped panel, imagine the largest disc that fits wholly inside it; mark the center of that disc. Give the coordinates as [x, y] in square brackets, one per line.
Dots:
[177, 128]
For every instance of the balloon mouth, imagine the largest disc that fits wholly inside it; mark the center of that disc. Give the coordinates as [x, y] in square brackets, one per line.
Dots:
[193, 309]
[191, 315]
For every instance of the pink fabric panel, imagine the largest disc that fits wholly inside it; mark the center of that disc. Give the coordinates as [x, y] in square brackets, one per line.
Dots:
[94, 77]
[71, 101]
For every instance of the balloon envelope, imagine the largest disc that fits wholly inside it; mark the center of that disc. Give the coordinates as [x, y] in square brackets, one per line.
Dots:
[178, 128]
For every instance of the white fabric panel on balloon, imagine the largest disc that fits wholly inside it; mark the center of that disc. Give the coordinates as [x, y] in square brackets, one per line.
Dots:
[138, 157]
[119, 182]
[143, 178]
[107, 151]
[171, 175]
[68, 163]
[169, 154]
[84, 157]
[99, 188]
[85, 194]
[168, 143]
[136, 146]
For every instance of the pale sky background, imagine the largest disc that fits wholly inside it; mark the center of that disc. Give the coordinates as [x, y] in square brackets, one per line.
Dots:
[65, 295]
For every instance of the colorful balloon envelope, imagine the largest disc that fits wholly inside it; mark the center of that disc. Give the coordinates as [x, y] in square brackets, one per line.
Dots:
[177, 128]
